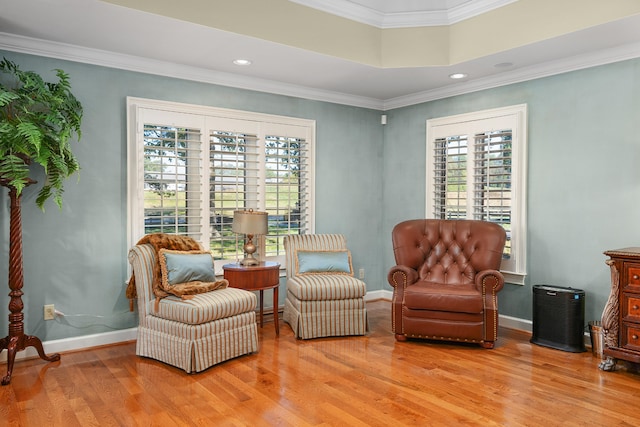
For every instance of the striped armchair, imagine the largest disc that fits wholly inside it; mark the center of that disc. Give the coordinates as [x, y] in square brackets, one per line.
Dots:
[323, 297]
[196, 333]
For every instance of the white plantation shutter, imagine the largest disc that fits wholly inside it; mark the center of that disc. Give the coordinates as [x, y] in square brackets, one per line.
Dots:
[492, 175]
[191, 167]
[172, 175]
[476, 169]
[166, 164]
[288, 189]
[450, 177]
[288, 184]
[233, 185]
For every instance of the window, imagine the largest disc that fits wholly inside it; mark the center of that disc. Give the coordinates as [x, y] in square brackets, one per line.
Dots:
[476, 169]
[191, 167]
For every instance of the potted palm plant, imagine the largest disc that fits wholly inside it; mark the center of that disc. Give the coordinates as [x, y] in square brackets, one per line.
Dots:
[37, 121]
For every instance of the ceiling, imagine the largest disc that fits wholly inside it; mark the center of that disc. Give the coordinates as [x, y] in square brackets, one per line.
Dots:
[107, 34]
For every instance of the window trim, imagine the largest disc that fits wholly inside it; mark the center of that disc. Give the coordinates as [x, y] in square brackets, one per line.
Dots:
[518, 113]
[134, 155]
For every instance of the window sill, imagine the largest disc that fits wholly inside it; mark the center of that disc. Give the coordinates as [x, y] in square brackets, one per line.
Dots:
[514, 278]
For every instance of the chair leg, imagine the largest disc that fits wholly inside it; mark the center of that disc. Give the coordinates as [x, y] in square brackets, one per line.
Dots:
[401, 338]
[487, 344]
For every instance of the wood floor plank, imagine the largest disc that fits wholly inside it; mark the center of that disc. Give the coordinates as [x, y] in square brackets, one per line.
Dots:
[342, 381]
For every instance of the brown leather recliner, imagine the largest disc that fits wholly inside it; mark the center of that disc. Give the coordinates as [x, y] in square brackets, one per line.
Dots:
[446, 280]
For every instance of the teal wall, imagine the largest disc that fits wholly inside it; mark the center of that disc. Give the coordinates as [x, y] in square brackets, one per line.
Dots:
[583, 174]
[584, 185]
[76, 258]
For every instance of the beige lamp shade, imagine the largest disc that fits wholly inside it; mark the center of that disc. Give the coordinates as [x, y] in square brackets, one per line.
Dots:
[250, 223]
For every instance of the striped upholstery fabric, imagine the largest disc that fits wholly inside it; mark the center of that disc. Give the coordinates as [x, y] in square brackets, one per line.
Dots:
[194, 334]
[321, 287]
[322, 305]
[333, 318]
[204, 308]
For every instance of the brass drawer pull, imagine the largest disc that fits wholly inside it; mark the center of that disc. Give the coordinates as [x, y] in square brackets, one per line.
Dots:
[636, 277]
[635, 307]
[634, 336]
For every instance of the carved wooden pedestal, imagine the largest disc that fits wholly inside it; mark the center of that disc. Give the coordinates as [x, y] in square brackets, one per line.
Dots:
[17, 340]
[621, 315]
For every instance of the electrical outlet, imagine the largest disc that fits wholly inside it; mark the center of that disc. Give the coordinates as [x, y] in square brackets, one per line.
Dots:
[361, 273]
[49, 312]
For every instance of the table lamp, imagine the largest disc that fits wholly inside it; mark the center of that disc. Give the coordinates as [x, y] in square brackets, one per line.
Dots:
[249, 222]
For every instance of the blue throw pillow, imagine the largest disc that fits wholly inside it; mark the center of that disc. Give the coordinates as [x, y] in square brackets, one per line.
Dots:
[311, 262]
[186, 266]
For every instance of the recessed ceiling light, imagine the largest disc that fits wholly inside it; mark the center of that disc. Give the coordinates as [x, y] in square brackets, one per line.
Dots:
[457, 76]
[242, 62]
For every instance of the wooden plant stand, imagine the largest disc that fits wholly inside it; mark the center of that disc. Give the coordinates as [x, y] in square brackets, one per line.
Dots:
[17, 340]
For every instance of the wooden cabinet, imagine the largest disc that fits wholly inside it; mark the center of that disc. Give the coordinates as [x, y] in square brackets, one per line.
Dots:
[621, 315]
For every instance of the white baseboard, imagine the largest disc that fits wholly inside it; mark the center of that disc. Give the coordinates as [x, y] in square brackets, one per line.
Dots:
[515, 323]
[375, 295]
[115, 337]
[527, 326]
[506, 321]
[88, 341]
[76, 343]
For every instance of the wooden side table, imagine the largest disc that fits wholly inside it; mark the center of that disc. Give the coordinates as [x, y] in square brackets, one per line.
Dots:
[265, 275]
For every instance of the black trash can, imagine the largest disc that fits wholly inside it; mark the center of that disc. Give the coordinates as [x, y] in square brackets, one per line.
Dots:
[558, 318]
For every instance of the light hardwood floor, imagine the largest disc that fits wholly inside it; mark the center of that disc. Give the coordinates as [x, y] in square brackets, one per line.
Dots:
[352, 381]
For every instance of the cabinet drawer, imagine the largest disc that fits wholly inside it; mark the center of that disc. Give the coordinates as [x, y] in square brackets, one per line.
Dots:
[631, 336]
[631, 307]
[633, 275]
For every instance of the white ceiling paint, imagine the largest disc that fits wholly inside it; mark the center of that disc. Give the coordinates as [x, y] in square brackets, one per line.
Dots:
[100, 33]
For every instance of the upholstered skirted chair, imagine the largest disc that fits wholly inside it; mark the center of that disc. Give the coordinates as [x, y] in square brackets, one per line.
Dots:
[446, 281]
[323, 297]
[193, 332]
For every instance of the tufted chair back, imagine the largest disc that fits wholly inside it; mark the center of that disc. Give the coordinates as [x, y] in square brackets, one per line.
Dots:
[448, 251]
[446, 280]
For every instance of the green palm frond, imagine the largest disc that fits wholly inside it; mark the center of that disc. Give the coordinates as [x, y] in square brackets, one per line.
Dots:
[43, 195]
[31, 133]
[7, 97]
[14, 170]
[37, 121]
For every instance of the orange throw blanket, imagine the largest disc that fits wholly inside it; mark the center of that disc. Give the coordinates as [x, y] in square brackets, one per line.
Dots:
[176, 243]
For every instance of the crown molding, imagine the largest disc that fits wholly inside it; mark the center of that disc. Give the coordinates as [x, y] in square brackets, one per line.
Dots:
[475, 8]
[578, 62]
[50, 49]
[67, 52]
[416, 18]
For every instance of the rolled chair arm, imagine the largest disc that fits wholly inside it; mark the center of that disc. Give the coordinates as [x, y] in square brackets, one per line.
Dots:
[489, 281]
[402, 276]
